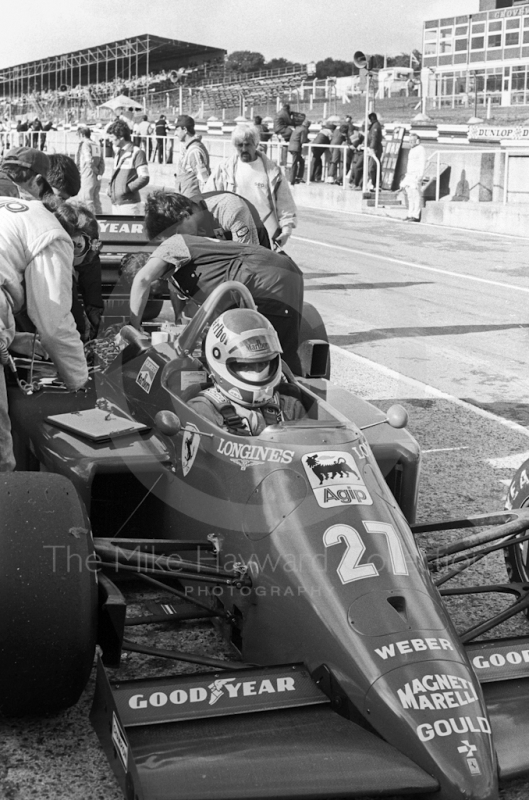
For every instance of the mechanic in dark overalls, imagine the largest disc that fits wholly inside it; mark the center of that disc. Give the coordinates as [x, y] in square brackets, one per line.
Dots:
[196, 265]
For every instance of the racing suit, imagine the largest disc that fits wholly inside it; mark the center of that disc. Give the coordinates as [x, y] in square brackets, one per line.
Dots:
[91, 166]
[36, 257]
[215, 407]
[270, 193]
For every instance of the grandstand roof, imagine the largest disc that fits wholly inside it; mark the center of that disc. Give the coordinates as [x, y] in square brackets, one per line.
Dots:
[160, 52]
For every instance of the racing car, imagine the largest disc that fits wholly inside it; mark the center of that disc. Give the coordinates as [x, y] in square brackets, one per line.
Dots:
[347, 676]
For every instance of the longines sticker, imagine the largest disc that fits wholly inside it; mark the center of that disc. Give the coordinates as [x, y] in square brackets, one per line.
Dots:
[147, 374]
[335, 479]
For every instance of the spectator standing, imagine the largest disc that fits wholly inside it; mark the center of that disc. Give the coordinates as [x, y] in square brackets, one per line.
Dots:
[91, 165]
[161, 128]
[194, 157]
[323, 137]
[36, 256]
[145, 130]
[339, 138]
[357, 163]
[283, 123]
[36, 135]
[265, 133]
[375, 147]
[300, 136]
[283, 127]
[412, 181]
[22, 127]
[255, 177]
[46, 128]
[130, 172]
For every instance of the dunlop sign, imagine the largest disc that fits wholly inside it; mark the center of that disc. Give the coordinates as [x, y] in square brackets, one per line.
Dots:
[498, 132]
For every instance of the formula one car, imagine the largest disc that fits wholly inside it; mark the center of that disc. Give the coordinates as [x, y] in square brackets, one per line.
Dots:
[348, 677]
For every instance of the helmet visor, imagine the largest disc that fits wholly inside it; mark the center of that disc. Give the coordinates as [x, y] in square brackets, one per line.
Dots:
[257, 372]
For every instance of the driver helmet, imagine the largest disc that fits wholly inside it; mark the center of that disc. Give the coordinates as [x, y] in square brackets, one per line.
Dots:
[244, 356]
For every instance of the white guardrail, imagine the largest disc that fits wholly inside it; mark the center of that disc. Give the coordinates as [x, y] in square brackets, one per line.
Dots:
[166, 149]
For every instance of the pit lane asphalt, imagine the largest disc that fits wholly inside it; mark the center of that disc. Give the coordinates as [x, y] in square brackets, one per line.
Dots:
[469, 456]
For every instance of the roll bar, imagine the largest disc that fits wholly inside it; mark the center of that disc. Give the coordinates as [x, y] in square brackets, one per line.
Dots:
[209, 310]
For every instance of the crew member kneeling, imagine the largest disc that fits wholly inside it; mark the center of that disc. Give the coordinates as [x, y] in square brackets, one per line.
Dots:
[243, 355]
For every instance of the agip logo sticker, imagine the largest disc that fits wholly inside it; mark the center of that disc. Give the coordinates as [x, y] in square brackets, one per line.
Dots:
[335, 479]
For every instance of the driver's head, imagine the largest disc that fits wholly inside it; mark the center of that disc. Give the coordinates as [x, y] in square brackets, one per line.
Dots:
[244, 356]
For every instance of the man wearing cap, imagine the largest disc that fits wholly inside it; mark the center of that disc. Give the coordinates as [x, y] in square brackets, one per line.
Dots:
[194, 157]
[91, 164]
[36, 257]
[23, 173]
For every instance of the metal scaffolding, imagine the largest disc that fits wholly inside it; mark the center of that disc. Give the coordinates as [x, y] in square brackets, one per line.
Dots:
[122, 60]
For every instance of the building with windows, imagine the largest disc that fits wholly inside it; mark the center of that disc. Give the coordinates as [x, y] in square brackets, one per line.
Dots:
[477, 59]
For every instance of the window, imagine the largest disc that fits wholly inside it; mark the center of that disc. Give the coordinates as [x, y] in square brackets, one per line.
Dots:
[494, 40]
[445, 43]
[513, 24]
[478, 27]
[512, 39]
[494, 26]
[461, 30]
[430, 48]
[478, 42]
[526, 37]
[461, 44]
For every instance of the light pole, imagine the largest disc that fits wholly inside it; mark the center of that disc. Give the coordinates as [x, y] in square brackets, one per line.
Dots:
[363, 61]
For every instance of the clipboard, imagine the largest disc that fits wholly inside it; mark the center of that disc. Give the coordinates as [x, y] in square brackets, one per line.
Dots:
[96, 424]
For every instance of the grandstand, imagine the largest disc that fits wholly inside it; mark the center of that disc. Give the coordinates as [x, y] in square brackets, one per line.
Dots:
[81, 80]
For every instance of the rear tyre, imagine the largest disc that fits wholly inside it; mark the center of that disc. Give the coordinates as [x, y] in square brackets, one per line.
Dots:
[517, 556]
[48, 594]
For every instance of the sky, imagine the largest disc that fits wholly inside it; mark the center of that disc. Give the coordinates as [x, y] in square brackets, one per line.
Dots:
[299, 30]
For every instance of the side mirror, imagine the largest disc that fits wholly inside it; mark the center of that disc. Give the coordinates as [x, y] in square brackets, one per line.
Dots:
[397, 416]
[168, 423]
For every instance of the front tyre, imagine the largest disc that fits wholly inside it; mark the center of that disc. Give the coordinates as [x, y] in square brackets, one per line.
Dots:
[48, 594]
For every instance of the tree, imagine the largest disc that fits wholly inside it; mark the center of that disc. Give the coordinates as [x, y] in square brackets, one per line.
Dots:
[278, 63]
[333, 68]
[245, 61]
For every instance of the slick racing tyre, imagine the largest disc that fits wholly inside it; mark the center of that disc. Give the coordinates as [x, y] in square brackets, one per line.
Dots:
[517, 556]
[48, 594]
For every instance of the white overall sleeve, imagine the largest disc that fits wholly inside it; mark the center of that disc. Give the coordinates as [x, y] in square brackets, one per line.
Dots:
[49, 301]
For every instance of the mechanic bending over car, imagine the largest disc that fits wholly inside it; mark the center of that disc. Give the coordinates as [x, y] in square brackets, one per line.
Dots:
[237, 218]
[196, 265]
[36, 256]
[243, 356]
